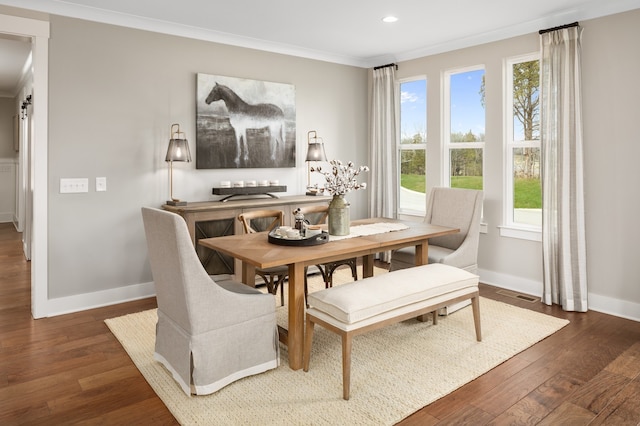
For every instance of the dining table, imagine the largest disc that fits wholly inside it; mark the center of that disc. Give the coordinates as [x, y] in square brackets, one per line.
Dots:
[255, 251]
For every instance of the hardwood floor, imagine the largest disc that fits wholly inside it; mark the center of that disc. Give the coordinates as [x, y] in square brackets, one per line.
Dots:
[71, 370]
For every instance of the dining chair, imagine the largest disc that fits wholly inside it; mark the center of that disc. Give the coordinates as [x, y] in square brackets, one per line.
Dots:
[260, 221]
[455, 208]
[209, 334]
[317, 215]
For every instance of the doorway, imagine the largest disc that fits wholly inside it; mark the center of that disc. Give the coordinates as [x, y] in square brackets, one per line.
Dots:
[15, 56]
[36, 191]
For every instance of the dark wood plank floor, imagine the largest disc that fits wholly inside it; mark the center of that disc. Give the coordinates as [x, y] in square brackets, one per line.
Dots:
[71, 370]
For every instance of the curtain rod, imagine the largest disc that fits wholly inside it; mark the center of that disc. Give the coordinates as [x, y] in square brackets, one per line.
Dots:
[575, 24]
[385, 66]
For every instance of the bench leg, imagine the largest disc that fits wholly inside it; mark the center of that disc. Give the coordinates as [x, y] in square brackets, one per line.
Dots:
[346, 365]
[423, 318]
[306, 354]
[475, 305]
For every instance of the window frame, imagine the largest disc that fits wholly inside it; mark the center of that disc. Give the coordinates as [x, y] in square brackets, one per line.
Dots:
[409, 147]
[509, 228]
[447, 145]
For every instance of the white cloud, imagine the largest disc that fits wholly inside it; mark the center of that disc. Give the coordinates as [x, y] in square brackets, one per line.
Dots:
[408, 97]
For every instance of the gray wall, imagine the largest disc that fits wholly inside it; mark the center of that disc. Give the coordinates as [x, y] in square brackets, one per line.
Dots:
[612, 148]
[114, 92]
[611, 60]
[7, 160]
[7, 111]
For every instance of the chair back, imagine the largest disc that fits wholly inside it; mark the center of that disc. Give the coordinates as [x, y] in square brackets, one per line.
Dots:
[455, 208]
[261, 220]
[316, 215]
[179, 277]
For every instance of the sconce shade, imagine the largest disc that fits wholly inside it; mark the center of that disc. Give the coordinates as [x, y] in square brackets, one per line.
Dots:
[178, 150]
[315, 152]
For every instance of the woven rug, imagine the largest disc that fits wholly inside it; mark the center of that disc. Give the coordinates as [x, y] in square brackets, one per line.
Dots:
[395, 371]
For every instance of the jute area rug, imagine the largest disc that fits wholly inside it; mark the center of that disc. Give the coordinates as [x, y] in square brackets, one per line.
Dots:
[395, 371]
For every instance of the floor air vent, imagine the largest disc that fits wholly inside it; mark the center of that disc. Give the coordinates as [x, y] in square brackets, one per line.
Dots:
[520, 296]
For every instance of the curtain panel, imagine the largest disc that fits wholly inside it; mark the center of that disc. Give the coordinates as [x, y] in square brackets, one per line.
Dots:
[383, 122]
[563, 224]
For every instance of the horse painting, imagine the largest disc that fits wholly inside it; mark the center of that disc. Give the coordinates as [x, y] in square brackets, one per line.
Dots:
[244, 116]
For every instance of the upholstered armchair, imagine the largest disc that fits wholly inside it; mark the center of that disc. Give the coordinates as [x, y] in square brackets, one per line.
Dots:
[208, 334]
[456, 208]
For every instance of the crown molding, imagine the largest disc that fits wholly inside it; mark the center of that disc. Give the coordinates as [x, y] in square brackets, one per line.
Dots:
[590, 10]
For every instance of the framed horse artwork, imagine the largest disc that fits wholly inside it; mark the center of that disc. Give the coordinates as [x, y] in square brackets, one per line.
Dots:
[244, 123]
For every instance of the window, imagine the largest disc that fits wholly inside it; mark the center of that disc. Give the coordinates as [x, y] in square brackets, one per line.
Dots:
[523, 194]
[464, 123]
[412, 149]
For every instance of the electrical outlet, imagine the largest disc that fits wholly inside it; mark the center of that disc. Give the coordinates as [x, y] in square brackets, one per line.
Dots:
[101, 184]
[74, 185]
[484, 228]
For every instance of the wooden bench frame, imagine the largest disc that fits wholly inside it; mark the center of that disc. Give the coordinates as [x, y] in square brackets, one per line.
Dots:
[347, 336]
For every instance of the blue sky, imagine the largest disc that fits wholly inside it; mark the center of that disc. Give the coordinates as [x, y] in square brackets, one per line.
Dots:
[466, 111]
[413, 101]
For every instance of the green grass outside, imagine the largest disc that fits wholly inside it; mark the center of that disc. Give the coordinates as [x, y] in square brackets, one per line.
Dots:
[528, 194]
[413, 182]
[528, 191]
[469, 182]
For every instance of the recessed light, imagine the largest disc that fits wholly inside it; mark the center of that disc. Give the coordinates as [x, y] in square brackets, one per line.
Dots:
[389, 19]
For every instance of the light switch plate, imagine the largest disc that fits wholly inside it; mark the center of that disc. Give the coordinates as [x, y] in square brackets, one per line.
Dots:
[74, 185]
[101, 184]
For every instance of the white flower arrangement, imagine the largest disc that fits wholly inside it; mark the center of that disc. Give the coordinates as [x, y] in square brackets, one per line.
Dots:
[342, 178]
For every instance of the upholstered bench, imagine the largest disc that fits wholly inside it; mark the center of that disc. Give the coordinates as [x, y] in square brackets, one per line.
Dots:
[365, 305]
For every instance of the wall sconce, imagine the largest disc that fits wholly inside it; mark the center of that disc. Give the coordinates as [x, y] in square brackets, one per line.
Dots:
[315, 152]
[24, 106]
[178, 151]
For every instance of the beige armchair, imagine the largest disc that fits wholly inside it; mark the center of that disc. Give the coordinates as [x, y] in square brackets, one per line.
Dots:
[456, 208]
[453, 207]
[208, 334]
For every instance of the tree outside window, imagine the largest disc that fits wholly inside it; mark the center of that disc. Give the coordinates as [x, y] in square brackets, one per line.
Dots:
[465, 115]
[524, 201]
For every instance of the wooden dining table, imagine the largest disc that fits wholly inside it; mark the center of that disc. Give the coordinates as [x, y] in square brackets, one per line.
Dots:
[255, 251]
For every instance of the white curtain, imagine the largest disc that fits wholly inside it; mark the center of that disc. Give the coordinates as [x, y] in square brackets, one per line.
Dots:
[382, 161]
[563, 230]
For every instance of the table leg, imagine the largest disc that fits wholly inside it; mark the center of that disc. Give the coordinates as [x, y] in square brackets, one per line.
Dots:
[367, 266]
[248, 274]
[422, 253]
[295, 338]
[422, 258]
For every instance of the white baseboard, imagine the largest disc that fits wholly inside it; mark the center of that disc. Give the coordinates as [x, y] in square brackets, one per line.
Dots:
[16, 223]
[511, 282]
[605, 304]
[6, 217]
[617, 307]
[98, 299]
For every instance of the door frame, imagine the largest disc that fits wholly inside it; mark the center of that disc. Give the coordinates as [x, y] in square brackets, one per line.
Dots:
[38, 31]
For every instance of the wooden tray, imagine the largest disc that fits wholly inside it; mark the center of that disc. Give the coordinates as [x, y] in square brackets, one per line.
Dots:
[313, 240]
[248, 190]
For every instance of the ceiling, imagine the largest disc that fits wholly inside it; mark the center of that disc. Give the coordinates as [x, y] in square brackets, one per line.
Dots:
[349, 32]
